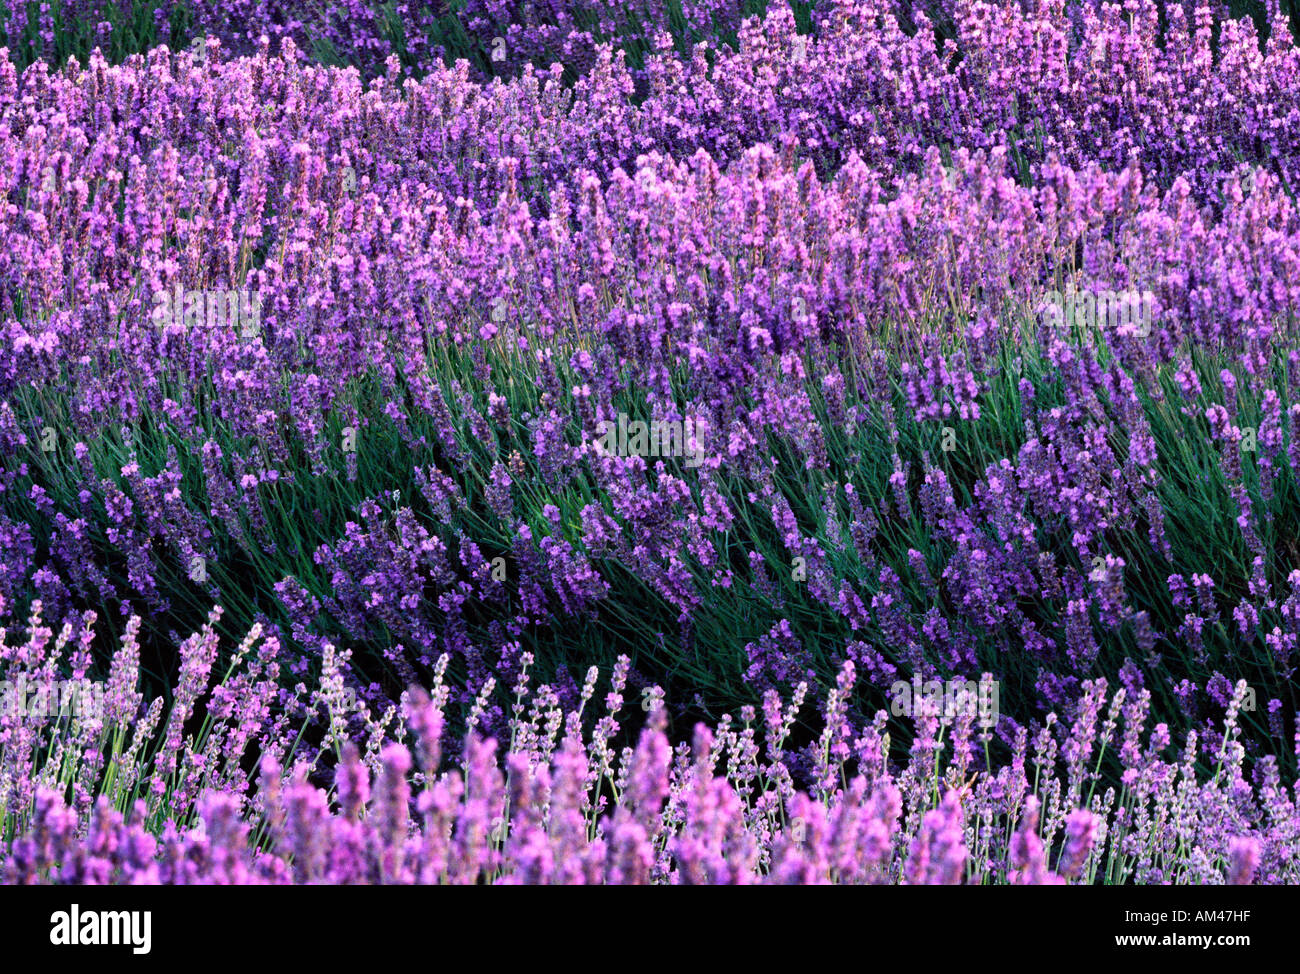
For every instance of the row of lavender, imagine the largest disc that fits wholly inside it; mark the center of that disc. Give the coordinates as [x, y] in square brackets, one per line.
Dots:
[498, 37]
[566, 806]
[735, 276]
[899, 459]
[1086, 83]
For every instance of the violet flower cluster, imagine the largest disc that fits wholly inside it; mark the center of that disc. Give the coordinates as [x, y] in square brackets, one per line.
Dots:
[338, 350]
[562, 804]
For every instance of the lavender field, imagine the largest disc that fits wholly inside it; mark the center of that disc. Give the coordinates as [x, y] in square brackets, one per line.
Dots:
[497, 441]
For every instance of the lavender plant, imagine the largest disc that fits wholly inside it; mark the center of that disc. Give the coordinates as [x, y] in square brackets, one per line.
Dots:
[563, 806]
[833, 359]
